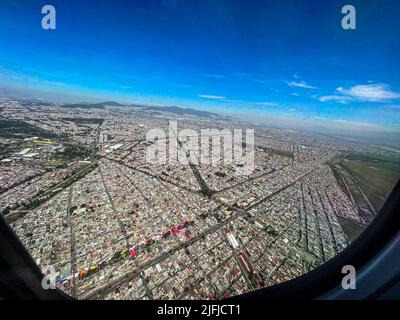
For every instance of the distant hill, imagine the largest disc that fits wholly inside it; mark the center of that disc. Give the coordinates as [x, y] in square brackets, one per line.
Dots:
[170, 109]
[99, 105]
[84, 105]
[112, 103]
[184, 111]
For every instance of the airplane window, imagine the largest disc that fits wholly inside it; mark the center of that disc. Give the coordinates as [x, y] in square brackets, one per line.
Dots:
[194, 149]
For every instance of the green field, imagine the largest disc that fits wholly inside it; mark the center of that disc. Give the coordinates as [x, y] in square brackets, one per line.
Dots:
[376, 174]
[351, 228]
[10, 129]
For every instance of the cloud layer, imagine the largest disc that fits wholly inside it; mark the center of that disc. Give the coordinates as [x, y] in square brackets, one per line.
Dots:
[364, 93]
[370, 92]
[211, 96]
[300, 84]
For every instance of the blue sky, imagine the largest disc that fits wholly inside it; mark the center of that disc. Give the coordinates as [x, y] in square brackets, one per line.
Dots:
[281, 58]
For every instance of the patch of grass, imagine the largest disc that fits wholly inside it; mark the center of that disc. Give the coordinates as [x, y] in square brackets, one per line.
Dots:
[351, 228]
[19, 129]
[282, 153]
[376, 174]
[72, 152]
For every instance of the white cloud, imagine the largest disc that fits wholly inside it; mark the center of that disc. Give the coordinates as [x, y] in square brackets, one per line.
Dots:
[340, 99]
[370, 92]
[300, 84]
[266, 104]
[210, 96]
[292, 109]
